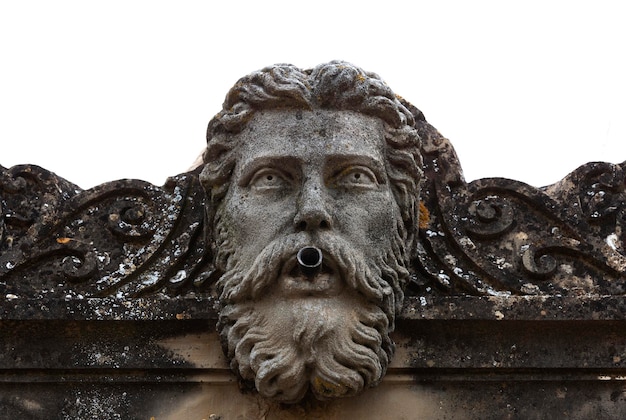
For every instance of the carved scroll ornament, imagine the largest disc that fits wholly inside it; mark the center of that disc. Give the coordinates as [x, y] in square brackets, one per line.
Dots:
[323, 201]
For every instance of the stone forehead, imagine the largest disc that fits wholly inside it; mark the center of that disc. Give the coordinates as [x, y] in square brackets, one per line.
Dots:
[318, 131]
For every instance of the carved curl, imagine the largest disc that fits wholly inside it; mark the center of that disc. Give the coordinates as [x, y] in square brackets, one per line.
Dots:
[492, 216]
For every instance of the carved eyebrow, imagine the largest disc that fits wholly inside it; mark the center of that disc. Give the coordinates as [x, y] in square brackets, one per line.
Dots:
[285, 164]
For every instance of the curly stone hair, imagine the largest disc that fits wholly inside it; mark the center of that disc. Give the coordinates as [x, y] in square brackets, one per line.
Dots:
[336, 86]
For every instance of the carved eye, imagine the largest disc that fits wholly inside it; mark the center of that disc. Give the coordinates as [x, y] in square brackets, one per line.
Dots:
[268, 179]
[356, 176]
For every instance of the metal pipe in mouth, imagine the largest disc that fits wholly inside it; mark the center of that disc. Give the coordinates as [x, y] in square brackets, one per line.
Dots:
[310, 260]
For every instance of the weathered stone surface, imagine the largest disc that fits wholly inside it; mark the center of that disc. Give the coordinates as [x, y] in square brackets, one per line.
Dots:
[125, 238]
[508, 299]
[442, 369]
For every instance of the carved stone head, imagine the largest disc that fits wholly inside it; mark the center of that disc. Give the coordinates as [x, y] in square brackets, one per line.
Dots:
[313, 181]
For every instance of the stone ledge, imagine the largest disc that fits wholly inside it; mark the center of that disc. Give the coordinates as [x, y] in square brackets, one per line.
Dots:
[154, 308]
[516, 308]
[110, 309]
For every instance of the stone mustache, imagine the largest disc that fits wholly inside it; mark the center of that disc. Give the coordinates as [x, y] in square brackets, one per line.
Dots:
[313, 180]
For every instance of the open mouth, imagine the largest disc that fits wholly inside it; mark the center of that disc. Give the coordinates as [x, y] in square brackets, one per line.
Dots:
[311, 272]
[309, 260]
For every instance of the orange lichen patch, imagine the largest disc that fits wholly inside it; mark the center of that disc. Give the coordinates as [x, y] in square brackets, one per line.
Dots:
[424, 219]
[63, 241]
[360, 77]
[327, 389]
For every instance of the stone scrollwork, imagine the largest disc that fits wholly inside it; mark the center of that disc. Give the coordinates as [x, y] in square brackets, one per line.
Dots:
[124, 238]
[324, 202]
[490, 217]
[518, 239]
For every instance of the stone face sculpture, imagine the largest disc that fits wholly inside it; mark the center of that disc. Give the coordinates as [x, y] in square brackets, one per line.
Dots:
[313, 179]
[325, 209]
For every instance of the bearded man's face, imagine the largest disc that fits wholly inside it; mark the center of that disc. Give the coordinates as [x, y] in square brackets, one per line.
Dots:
[313, 179]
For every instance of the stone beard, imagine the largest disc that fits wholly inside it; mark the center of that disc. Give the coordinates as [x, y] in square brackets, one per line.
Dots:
[329, 337]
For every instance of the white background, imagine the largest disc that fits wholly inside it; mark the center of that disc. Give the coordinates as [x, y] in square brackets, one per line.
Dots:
[96, 91]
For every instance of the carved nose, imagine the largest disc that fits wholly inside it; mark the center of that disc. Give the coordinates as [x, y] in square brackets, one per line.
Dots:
[312, 219]
[312, 214]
